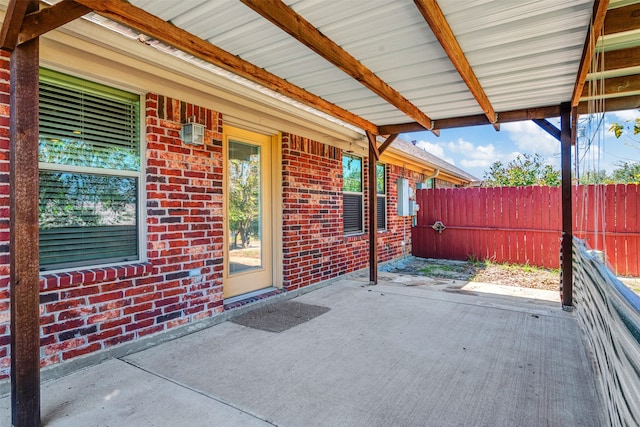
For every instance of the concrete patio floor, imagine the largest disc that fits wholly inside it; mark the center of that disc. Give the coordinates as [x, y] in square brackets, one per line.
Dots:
[385, 355]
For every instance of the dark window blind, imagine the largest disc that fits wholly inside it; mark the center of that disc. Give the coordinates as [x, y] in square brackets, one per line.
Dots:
[87, 217]
[352, 213]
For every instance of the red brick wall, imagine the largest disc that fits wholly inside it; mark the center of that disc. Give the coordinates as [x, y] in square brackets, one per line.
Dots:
[314, 245]
[398, 227]
[93, 309]
[5, 337]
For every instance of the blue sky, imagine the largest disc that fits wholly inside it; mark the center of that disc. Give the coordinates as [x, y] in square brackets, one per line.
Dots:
[474, 149]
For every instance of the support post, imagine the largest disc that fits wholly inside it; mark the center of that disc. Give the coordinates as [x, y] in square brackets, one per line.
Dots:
[373, 212]
[374, 155]
[567, 207]
[24, 238]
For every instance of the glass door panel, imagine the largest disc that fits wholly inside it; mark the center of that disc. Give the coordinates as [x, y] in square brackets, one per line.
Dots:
[244, 233]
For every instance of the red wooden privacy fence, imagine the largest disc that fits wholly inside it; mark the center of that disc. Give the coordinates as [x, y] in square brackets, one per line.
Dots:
[523, 224]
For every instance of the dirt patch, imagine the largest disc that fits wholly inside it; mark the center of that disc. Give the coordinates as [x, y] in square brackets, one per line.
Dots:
[523, 276]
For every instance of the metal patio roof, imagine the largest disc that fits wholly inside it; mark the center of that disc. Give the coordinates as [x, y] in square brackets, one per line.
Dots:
[394, 66]
[524, 53]
[391, 66]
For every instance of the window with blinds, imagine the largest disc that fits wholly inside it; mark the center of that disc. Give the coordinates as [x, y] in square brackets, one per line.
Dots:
[381, 200]
[90, 178]
[352, 196]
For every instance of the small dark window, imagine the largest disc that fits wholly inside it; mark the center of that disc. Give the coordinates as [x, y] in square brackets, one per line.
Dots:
[352, 196]
[381, 201]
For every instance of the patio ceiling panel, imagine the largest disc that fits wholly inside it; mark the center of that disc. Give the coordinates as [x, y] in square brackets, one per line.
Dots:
[236, 28]
[525, 53]
[392, 40]
[526, 32]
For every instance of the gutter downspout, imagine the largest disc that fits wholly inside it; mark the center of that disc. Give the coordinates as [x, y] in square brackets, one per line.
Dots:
[435, 174]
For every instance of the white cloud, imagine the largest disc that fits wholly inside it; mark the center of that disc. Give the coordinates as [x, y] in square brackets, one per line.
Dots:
[475, 163]
[475, 156]
[625, 115]
[469, 155]
[530, 138]
[460, 146]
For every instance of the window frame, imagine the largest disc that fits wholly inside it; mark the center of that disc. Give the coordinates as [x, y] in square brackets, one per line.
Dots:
[69, 80]
[354, 193]
[382, 196]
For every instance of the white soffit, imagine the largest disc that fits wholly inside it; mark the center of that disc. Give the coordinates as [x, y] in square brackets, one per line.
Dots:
[525, 53]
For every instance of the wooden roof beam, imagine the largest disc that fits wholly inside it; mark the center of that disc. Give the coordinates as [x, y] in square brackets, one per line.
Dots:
[597, 21]
[621, 59]
[630, 102]
[622, 19]
[432, 13]
[612, 86]
[154, 27]
[475, 120]
[16, 11]
[295, 25]
[623, 102]
[49, 18]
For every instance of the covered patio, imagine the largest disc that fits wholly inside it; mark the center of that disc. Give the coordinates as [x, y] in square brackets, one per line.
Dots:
[341, 81]
[380, 355]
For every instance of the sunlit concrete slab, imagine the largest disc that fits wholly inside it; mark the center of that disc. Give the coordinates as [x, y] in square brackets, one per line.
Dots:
[385, 355]
[115, 393]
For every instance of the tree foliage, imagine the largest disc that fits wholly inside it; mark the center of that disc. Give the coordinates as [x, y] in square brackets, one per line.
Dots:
[244, 199]
[524, 170]
[351, 173]
[595, 177]
[83, 199]
[626, 173]
[620, 128]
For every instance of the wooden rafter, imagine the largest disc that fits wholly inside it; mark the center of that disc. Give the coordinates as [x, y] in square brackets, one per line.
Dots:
[622, 19]
[631, 102]
[597, 21]
[622, 58]
[615, 86]
[154, 27]
[432, 13]
[16, 11]
[295, 25]
[49, 18]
